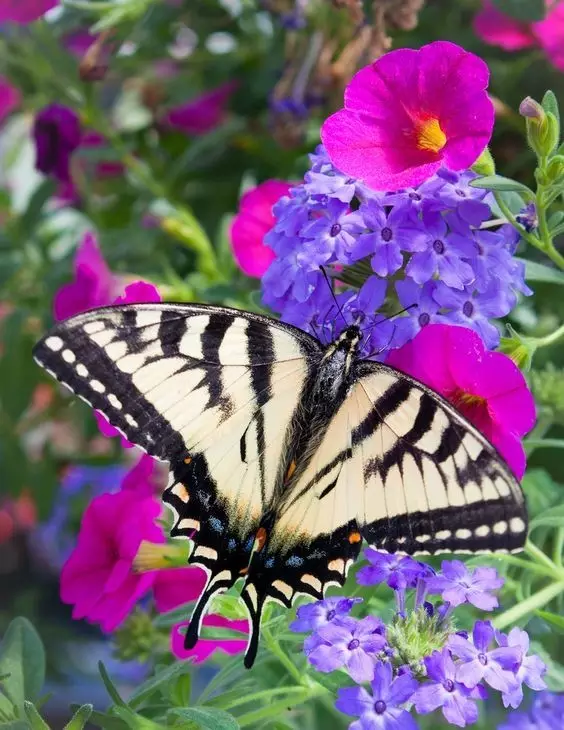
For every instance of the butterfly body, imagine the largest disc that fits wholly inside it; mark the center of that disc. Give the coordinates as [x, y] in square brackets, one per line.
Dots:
[285, 454]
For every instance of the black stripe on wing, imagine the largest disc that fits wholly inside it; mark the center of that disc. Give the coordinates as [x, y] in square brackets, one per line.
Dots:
[473, 501]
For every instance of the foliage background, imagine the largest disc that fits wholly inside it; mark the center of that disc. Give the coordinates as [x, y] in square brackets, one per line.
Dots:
[168, 175]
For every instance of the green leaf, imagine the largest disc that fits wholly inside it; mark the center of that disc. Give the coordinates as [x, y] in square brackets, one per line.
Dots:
[553, 517]
[553, 619]
[22, 657]
[207, 718]
[35, 719]
[550, 105]
[500, 183]
[180, 691]
[541, 272]
[80, 718]
[525, 10]
[102, 719]
[34, 211]
[15, 725]
[110, 686]
[157, 681]
[541, 490]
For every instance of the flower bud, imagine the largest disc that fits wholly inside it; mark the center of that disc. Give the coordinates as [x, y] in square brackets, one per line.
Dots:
[555, 169]
[531, 109]
[542, 127]
[485, 164]
[520, 349]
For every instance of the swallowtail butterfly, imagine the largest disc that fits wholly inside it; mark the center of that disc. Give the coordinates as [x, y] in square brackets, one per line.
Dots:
[285, 454]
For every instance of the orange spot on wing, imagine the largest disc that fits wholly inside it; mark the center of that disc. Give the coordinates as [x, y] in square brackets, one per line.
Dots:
[243, 571]
[188, 459]
[290, 472]
[260, 539]
[355, 537]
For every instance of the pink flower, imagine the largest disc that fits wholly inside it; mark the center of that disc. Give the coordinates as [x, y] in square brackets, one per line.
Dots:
[10, 97]
[95, 285]
[98, 578]
[487, 387]
[410, 113]
[206, 647]
[202, 114]
[550, 33]
[24, 11]
[176, 586]
[252, 223]
[498, 29]
[143, 478]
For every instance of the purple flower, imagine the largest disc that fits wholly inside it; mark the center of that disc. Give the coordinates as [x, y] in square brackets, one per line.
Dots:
[346, 642]
[383, 709]
[398, 571]
[480, 663]
[57, 135]
[418, 235]
[388, 236]
[531, 668]
[443, 255]
[314, 615]
[474, 311]
[335, 231]
[545, 714]
[446, 692]
[528, 217]
[458, 585]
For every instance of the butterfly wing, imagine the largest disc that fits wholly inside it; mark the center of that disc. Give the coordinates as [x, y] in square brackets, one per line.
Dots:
[398, 466]
[211, 390]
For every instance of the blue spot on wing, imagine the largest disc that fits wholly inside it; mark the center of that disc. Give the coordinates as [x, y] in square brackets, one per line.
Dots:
[216, 524]
[294, 561]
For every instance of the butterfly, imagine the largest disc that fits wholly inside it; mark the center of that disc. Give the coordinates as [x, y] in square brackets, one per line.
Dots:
[285, 453]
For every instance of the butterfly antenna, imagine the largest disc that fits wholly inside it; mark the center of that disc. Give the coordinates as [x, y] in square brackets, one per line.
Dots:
[391, 316]
[382, 349]
[328, 280]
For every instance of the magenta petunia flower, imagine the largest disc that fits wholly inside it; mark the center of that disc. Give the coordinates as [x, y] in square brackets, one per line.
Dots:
[57, 135]
[94, 285]
[487, 387]
[498, 29]
[98, 578]
[175, 586]
[10, 97]
[202, 114]
[143, 478]
[24, 11]
[253, 221]
[409, 113]
[206, 647]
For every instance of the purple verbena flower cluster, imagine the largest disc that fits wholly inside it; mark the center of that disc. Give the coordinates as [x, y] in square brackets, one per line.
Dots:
[434, 246]
[419, 661]
[545, 713]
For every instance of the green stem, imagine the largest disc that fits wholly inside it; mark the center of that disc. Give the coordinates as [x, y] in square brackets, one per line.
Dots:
[538, 556]
[262, 695]
[537, 600]
[544, 243]
[551, 338]
[558, 550]
[276, 708]
[533, 567]
[275, 648]
[532, 444]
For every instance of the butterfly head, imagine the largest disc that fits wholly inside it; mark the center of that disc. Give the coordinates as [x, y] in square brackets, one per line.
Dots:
[349, 339]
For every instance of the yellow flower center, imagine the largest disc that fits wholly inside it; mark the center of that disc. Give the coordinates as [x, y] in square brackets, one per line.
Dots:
[153, 556]
[466, 401]
[430, 136]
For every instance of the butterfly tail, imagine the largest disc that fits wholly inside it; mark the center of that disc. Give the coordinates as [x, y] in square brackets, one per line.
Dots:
[255, 604]
[217, 583]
